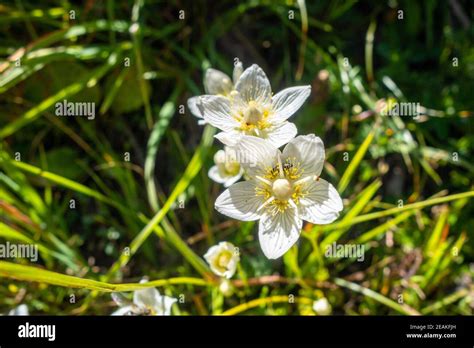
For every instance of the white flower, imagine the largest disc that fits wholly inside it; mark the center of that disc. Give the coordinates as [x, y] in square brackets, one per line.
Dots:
[225, 287]
[215, 83]
[283, 189]
[223, 259]
[322, 306]
[252, 110]
[145, 302]
[20, 310]
[227, 169]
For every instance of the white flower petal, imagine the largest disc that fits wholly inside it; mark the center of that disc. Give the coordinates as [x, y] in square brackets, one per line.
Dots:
[233, 179]
[230, 138]
[288, 101]
[308, 150]
[256, 155]
[227, 181]
[239, 202]
[217, 112]
[163, 304]
[123, 311]
[119, 299]
[254, 85]
[20, 310]
[195, 107]
[145, 297]
[216, 82]
[279, 233]
[231, 268]
[237, 102]
[322, 204]
[215, 175]
[281, 133]
[238, 70]
[213, 252]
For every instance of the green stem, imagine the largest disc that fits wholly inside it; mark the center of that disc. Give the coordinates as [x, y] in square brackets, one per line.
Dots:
[263, 301]
[445, 301]
[36, 274]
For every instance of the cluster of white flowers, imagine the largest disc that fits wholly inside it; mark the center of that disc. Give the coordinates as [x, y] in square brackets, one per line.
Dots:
[281, 188]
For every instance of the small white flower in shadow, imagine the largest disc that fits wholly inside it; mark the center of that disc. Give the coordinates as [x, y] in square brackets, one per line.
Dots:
[227, 170]
[145, 302]
[223, 259]
[226, 288]
[20, 310]
[284, 188]
[252, 110]
[215, 83]
[322, 306]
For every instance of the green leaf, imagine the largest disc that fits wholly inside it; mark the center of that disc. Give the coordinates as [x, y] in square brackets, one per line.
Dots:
[63, 162]
[57, 77]
[127, 96]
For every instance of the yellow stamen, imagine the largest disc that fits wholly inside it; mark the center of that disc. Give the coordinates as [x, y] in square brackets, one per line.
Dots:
[281, 186]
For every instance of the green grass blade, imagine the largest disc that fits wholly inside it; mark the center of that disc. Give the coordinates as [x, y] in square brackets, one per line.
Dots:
[37, 60]
[36, 274]
[35, 112]
[351, 168]
[364, 197]
[166, 113]
[446, 301]
[370, 235]
[435, 237]
[191, 171]
[401, 308]
[393, 211]
[62, 181]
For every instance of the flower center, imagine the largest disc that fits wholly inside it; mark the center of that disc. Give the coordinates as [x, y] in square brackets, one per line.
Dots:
[281, 186]
[282, 189]
[223, 259]
[232, 168]
[252, 115]
[226, 163]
